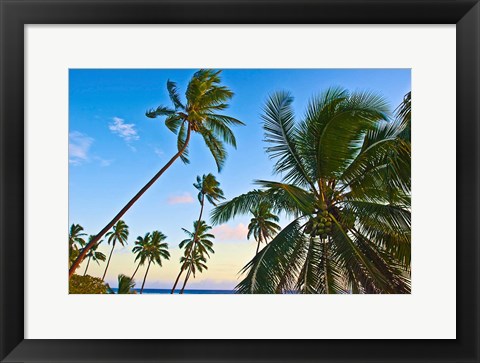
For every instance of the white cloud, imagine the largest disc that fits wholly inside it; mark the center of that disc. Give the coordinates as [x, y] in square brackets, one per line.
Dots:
[125, 131]
[180, 199]
[78, 147]
[103, 162]
[158, 151]
[228, 233]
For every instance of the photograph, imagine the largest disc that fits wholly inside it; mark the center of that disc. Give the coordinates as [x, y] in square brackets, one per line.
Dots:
[239, 181]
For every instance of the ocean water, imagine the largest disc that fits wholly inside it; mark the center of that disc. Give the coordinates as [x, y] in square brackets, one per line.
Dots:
[186, 292]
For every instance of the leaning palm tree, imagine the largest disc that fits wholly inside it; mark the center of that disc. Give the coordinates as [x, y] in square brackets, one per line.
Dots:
[262, 225]
[155, 251]
[200, 114]
[75, 242]
[346, 188]
[119, 234]
[198, 242]
[94, 255]
[208, 188]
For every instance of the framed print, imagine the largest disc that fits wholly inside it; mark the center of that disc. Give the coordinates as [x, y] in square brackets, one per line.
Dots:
[304, 174]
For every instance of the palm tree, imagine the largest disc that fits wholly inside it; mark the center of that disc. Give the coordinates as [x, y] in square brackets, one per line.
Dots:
[404, 113]
[198, 243]
[205, 98]
[262, 225]
[154, 250]
[346, 188]
[94, 255]
[193, 262]
[118, 234]
[208, 187]
[125, 285]
[75, 242]
[141, 250]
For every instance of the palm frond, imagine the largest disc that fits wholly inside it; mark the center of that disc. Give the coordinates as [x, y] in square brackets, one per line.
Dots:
[159, 111]
[266, 269]
[174, 96]
[216, 147]
[280, 131]
[181, 140]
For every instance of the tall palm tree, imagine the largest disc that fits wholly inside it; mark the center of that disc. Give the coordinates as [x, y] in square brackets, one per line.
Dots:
[346, 188]
[94, 255]
[155, 250]
[198, 243]
[208, 188]
[262, 225]
[119, 234]
[75, 242]
[200, 114]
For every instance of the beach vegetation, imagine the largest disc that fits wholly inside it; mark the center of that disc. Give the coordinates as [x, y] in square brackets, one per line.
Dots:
[345, 186]
[208, 188]
[86, 285]
[197, 248]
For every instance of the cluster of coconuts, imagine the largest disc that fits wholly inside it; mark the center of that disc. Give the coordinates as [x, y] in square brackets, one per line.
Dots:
[321, 224]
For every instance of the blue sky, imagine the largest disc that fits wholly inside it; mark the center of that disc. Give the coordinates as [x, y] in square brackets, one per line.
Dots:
[114, 150]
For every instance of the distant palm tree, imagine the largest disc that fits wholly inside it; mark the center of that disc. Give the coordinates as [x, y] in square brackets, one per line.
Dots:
[154, 250]
[193, 262]
[205, 98]
[118, 234]
[346, 186]
[75, 242]
[262, 225]
[125, 285]
[197, 248]
[94, 255]
[208, 188]
[141, 250]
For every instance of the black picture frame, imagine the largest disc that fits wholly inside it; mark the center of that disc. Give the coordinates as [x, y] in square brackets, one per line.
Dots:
[15, 14]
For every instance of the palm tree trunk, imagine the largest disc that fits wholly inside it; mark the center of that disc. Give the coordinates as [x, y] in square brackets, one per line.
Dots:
[128, 205]
[86, 268]
[145, 277]
[258, 247]
[202, 203]
[198, 223]
[185, 282]
[176, 281]
[136, 270]
[108, 262]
